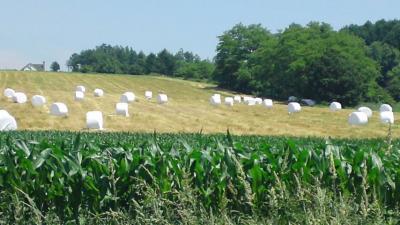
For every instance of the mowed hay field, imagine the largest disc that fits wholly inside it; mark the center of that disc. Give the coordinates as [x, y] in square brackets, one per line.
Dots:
[188, 109]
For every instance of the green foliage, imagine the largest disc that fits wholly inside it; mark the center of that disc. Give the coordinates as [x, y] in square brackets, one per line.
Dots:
[55, 67]
[310, 62]
[71, 174]
[124, 60]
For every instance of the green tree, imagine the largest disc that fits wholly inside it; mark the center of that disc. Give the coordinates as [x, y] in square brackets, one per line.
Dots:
[387, 56]
[55, 67]
[234, 50]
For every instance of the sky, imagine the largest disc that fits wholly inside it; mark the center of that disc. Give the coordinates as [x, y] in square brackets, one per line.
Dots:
[33, 31]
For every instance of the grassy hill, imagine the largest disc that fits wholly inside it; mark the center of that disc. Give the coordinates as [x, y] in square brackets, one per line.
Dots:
[188, 109]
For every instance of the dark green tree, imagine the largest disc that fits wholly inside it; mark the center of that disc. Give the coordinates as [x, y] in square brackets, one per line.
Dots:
[234, 49]
[55, 67]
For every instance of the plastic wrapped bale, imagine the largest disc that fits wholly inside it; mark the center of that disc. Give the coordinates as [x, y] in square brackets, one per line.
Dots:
[268, 103]
[80, 88]
[8, 92]
[94, 120]
[79, 96]
[229, 101]
[237, 98]
[38, 100]
[127, 97]
[121, 108]
[19, 97]
[387, 117]
[246, 99]
[250, 101]
[385, 107]
[162, 98]
[358, 118]
[215, 100]
[335, 106]
[7, 122]
[58, 109]
[294, 107]
[148, 95]
[98, 92]
[365, 110]
[258, 101]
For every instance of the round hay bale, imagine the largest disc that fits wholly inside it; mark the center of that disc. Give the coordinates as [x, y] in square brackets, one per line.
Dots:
[258, 101]
[385, 107]
[9, 93]
[229, 101]
[366, 110]
[98, 92]
[237, 98]
[94, 120]
[80, 88]
[58, 109]
[358, 118]
[79, 96]
[162, 98]
[148, 95]
[121, 108]
[38, 100]
[128, 97]
[335, 106]
[19, 97]
[7, 122]
[294, 107]
[215, 99]
[268, 103]
[386, 117]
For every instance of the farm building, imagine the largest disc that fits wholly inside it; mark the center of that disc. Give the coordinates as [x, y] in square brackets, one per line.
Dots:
[34, 67]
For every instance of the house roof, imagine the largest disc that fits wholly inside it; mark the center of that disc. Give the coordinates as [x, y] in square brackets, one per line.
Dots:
[34, 67]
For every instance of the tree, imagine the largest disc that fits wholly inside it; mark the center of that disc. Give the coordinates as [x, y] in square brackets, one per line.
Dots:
[387, 56]
[55, 67]
[234, 49]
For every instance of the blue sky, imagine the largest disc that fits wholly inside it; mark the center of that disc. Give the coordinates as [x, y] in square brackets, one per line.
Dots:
[51, 30]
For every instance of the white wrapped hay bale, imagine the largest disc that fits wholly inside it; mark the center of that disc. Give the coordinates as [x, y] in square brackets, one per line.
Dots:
[121, 108]
[7, 122]
[258, 101]
[385, 107]
[80, 88]
[268, 103]
[8, 92]
[148, 95]
[79, 96]
[365, 110]
[229, 101]
[19, 97]
[249, 100]
[237, 99]
[38, 100]
[335, 106]
[387, 117]
[127, 97]
[215, 99]
[59, 109]
[94, 120]
[162, 98]
[358, 118]
[294, 107]
[98, 92]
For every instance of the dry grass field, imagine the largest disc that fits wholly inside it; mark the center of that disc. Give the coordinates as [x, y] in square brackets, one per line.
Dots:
[188, 109]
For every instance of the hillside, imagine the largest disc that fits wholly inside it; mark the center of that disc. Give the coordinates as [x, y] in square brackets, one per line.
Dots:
[188, 109]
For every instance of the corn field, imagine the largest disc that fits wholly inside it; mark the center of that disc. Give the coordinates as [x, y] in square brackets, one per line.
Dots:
[136, 178]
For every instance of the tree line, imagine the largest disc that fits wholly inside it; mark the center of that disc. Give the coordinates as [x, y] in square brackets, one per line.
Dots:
[358, 63]
[124, 60]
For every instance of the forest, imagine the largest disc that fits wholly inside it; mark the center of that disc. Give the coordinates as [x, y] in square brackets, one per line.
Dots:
[358, 63]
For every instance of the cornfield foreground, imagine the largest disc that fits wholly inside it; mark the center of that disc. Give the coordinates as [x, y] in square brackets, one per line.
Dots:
[136, 178]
